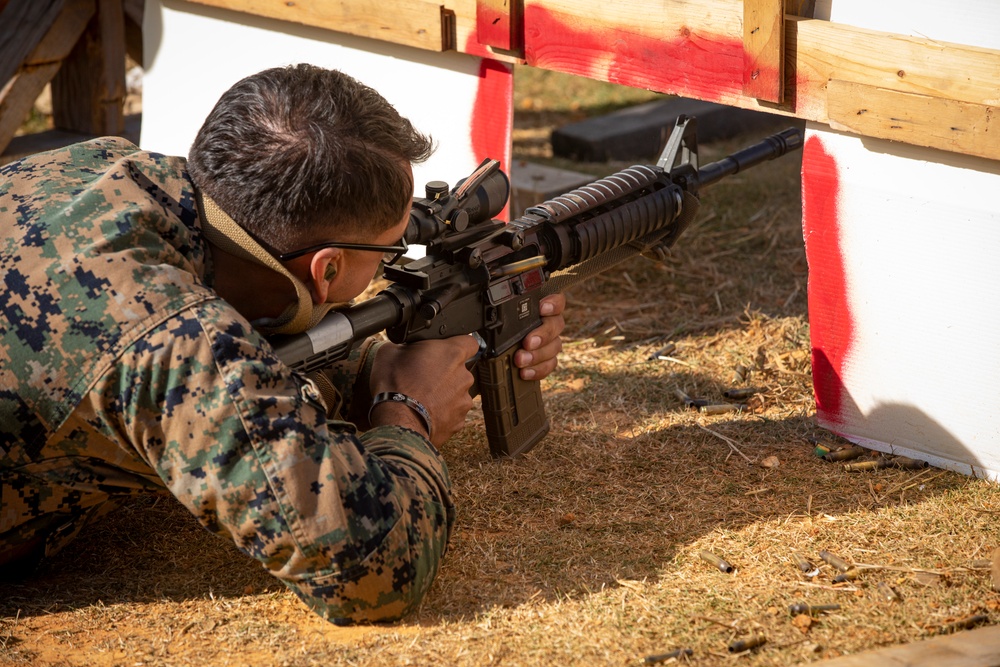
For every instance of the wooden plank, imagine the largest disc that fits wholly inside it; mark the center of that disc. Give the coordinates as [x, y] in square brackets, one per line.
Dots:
[763, 55]
[63, 33]
[23, 23]
[423, 24]
[499, 24]
[670, 46]
[667, 46]
[41, 65]
[18, 97]
[824, 51]
[88, 92]
[972, 648]
[692, 49]
[110, 88]
[922, 120]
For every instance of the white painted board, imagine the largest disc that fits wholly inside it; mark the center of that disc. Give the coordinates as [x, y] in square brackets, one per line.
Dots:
[904, 250]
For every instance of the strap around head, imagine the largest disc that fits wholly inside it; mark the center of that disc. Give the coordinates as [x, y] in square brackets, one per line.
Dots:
[222, 231]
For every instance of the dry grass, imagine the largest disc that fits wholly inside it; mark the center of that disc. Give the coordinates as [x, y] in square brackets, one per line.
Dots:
[585, 551]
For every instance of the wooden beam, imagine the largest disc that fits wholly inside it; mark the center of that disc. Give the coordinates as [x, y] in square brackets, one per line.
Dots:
[924, 120]
[18, 98]
[88, 92]
[697, 50]
[41, 65]
[972, 648]
[423, 24]
[822, 51]
[705, 50]
[499, 24]
[763, 49]
[23, 23]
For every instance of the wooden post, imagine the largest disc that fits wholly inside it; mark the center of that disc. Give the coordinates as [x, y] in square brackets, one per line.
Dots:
[500, 25]
[88, 93]
[763, 49]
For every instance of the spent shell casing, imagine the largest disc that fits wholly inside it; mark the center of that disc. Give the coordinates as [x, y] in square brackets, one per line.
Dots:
[692, 403]
[845, 454]
[740, 645]
[678, 653]
[803, 608]
[739, 394]
[663, 351]
[860, 466]
[720, 408]
[886, 593]
[963, 623]
[822, 449]
[709, 557]
[850, 575]
[802, 563]
[907, 463]
[834, 561]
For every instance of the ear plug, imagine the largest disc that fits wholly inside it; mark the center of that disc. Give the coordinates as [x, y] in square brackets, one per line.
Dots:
[331, 271]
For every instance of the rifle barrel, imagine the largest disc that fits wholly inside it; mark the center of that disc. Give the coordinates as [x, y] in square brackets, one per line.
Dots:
[771, 147]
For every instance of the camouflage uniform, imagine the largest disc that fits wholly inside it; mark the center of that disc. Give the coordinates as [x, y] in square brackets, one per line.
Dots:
[122, 371]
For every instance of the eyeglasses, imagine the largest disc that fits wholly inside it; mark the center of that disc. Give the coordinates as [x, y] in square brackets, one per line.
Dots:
[390, 253]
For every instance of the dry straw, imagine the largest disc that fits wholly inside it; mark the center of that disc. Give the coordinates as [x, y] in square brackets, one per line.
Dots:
[584, 551]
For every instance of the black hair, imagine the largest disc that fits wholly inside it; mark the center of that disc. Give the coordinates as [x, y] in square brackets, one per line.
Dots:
[292, 153]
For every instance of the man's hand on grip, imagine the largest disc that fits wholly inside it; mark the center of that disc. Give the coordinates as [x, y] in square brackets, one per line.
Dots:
[540, 349]
[432, 372]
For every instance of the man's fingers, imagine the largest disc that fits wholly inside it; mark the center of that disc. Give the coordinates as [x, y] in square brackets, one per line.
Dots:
[553, 304]
[549, 329]
[539, 371]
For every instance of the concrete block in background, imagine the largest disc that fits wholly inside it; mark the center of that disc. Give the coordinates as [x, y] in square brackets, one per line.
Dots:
[532, 184]
[639, 132]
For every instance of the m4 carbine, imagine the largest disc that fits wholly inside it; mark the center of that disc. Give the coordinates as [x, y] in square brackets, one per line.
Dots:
[486, 277]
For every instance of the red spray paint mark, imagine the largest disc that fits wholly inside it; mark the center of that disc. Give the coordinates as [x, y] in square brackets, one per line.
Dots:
[493, 115]
[695, 64]
[831, 324]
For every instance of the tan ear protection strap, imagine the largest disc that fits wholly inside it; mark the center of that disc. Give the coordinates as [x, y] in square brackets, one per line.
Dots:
[223, 232]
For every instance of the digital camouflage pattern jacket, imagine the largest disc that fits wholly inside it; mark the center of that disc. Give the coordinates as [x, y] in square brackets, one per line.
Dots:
[122, 372]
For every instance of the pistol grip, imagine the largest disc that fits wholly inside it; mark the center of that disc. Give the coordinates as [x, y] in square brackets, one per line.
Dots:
[512, 408]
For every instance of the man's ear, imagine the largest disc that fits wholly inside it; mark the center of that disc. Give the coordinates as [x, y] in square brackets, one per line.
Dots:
[324, 269]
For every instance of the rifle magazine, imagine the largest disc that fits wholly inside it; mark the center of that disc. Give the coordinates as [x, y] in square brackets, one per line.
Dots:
[513, 411]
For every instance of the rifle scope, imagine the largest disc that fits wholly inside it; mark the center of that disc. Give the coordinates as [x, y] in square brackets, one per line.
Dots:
[476, 198]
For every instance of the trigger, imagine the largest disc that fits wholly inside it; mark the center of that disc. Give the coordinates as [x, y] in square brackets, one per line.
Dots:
[471, 361]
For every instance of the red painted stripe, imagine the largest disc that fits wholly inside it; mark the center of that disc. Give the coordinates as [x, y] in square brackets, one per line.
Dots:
[831, 323]
[493, 114]
[694, 64]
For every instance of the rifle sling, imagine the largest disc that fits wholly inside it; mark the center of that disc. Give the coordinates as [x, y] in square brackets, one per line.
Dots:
[224, 232]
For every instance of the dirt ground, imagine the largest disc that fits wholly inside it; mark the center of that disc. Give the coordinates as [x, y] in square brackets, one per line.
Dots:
[587, 550]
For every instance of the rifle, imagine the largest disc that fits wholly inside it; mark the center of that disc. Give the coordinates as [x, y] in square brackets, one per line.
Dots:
[485, 277]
